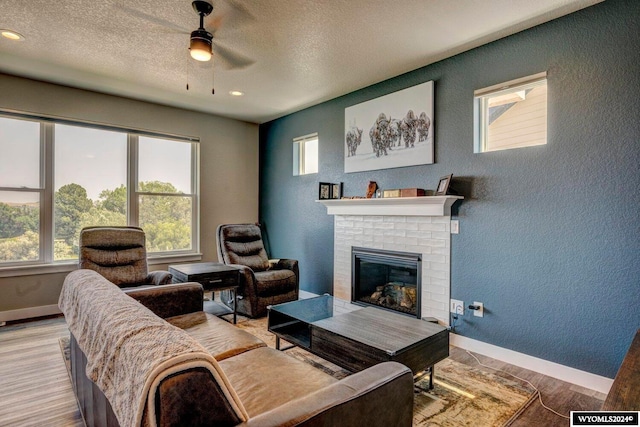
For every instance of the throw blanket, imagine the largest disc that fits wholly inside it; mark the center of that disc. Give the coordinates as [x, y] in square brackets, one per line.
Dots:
[129, 349]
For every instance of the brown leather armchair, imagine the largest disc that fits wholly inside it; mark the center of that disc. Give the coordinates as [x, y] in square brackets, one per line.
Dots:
[263, 282]
[119, 255]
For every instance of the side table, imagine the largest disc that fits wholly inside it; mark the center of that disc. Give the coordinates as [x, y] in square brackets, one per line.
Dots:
[213, 276]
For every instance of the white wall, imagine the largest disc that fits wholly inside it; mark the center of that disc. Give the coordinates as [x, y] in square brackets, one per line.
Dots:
[228, 166]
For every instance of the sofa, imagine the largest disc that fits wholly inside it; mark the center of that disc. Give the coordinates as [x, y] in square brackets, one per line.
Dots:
[152, 357]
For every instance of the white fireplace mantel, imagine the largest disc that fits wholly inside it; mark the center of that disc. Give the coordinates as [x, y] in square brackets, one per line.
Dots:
[407, 206]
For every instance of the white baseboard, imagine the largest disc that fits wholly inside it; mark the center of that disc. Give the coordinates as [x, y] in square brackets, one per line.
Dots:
[552, 369]
[545, 367]
[28, 313]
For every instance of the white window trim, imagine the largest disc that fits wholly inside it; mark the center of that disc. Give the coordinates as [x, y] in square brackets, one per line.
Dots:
[46, 263]
[68, 266]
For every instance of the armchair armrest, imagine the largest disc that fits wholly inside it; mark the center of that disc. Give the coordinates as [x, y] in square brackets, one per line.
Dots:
[170, 300]
[284, 264]
[159, 277]
[247, 279]
[353, 401]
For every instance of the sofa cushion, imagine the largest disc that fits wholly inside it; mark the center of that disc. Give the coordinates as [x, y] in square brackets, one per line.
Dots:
[276, 282]
[266, 378]
[220, 338]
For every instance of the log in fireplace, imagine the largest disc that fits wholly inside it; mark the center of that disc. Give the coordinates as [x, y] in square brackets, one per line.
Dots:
[386, 279]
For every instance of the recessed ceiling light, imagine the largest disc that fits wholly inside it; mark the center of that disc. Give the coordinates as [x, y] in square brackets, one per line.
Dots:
[11, 35]
[236, 93]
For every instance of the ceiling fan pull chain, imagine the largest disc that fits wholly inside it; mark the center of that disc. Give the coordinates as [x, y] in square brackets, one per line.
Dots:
[213, 92]
[188, 70]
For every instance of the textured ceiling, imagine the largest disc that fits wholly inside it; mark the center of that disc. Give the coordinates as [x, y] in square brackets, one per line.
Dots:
[295, 53]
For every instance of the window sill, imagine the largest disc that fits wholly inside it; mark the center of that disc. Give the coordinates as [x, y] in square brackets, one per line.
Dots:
[66, 267]
[169, 259]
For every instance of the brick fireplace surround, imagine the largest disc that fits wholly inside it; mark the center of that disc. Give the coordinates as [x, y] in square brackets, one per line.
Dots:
[416, 224]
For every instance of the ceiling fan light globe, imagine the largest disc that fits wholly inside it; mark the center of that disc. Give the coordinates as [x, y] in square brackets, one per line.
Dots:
[200, 45]
[200, 55]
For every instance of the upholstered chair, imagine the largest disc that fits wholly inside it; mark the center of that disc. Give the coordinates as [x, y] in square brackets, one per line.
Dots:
[119, 254]
[263, 282]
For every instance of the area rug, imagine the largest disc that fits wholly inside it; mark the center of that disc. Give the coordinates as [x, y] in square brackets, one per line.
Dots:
[463, 395]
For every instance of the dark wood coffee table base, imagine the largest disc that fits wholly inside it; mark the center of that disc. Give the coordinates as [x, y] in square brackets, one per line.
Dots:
[369, 336]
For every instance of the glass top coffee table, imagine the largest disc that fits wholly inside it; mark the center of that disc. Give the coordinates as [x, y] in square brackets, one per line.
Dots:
[290, 321]
[361, 338]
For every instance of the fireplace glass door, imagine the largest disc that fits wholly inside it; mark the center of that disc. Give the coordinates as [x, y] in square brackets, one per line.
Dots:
[386, 279]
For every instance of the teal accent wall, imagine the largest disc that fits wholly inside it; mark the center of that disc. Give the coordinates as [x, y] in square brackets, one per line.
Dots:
[549, 235]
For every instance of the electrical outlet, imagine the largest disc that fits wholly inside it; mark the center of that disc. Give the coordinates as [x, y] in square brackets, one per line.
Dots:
[480, 311]
[455, 226]
[457, 307]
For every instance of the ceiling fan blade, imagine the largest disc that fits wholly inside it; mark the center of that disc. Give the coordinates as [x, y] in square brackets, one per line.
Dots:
[230, 59]
[232, 11]
[168, 25]
[240, 9]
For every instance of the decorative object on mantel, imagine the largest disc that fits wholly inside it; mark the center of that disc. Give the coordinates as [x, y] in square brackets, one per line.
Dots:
[329, 190]
[398, 130]
[412, 192]
[391, 193]
[324, 191]
[443, 185]
[405, 192]
[336, 191]
[371, 189]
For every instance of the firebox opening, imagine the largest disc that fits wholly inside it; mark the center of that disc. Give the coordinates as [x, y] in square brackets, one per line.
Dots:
[386, 279]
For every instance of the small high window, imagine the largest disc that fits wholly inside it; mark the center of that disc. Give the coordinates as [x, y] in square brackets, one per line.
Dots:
[305, 154]
[511, 114]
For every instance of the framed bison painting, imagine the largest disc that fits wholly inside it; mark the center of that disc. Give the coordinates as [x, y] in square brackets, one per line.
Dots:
[392, 131]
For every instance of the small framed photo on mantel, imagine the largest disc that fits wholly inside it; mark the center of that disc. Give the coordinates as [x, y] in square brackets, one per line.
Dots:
[324, 191]
[336, 191]
[443, 185]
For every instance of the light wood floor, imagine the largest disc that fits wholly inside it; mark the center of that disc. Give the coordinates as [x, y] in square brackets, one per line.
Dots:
[35, 389]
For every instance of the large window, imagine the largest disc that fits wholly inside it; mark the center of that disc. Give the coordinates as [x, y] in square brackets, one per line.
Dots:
[56, 178]
[511, 114]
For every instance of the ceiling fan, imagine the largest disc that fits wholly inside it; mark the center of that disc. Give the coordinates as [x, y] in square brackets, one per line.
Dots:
[201, 39]
[202, 44]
